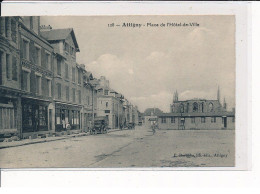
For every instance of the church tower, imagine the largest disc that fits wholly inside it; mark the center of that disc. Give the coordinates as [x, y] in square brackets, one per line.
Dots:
[175, 99]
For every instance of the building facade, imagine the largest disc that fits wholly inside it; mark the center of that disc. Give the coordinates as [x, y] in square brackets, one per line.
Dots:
[109, 104]
[36, 79]
[10, 77]
[42, 87]
[197, 114]
[68, 78]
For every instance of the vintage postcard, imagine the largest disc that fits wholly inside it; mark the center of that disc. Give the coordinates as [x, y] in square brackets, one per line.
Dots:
[121, 92]
[117, 91]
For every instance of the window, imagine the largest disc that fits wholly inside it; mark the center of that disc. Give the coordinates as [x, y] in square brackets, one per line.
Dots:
[66, 71]
[213, 119]
[203, 119]
[67, 93]
[79, 96]
[8, 66]
[25, 49]
[172, 119]
[14, 69]
[233, 119]
[59, 90]
[25, 81]
[107, 111]
[71, 50]
[163, 119]
[38, 55]
[182, 108]
[195, 107]
[67, 47]
[202, 107]
[192, 119]
[210, 107]
[49, 93]
[38, 84]
[13, 31]
[27, 114]
[6, 24]
[58, 66]
[48, 60]
[79, 77]
[106, 92]
[2, 32]
[43, 115]
[74, 95]
[106, 104]
[73, 74]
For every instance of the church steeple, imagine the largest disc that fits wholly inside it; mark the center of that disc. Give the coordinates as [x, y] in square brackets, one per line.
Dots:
[218, 95]
[175, 96]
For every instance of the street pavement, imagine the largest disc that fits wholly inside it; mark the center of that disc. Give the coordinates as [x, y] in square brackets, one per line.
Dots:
[128, 148]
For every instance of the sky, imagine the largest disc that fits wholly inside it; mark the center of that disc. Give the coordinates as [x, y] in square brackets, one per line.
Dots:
[148, 64]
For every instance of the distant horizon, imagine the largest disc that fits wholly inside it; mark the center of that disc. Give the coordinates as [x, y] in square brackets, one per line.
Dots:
[148, 64]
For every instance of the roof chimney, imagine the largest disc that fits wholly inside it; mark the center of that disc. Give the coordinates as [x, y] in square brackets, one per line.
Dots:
[45, 28]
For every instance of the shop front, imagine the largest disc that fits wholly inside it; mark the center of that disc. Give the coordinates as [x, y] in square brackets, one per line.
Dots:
[34, 117]
[9, 117]
[67, 114]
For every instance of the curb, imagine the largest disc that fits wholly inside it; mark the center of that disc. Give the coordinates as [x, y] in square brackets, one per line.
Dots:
[44, 140]
[50, 140]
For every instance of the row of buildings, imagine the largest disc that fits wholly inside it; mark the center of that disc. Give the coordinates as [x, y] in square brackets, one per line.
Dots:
[193, 114]
[42, 87]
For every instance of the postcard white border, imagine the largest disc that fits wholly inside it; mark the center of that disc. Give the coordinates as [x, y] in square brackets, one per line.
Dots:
[243, 62]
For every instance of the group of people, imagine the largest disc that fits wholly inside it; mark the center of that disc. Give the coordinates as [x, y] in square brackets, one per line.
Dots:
[66, 125]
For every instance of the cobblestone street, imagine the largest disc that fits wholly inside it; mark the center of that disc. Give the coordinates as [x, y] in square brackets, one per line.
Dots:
[128, 148]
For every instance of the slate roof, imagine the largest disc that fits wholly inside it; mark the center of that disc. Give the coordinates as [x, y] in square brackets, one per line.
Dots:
[60, 34]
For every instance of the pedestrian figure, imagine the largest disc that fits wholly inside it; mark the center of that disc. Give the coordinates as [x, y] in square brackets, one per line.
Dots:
[68, 128]
[153, 127]
[63, 124]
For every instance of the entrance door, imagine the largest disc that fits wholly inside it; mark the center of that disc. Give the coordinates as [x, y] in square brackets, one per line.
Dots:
[225, 122]
[50, 119]
[36, 118]
[182, 123]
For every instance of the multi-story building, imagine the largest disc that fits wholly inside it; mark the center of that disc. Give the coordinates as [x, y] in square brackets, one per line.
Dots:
[68, 77]
[109, 104]
[197, 114]
[42, 87]
[89, 100]
[10, 79]
[36, 79]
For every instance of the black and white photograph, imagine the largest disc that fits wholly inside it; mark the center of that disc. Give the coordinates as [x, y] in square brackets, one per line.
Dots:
[117, 91]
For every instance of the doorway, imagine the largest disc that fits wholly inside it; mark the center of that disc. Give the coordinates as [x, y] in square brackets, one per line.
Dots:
[50, 119]
[225, 122]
